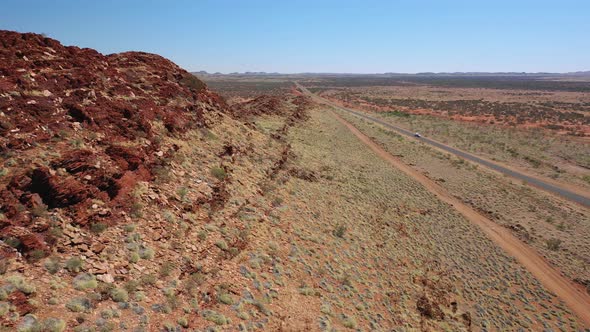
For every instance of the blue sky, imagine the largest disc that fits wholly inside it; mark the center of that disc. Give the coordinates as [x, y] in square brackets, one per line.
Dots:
[323, 36]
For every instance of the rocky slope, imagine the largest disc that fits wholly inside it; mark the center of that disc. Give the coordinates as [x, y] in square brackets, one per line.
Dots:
[123, 186]
[78, 126]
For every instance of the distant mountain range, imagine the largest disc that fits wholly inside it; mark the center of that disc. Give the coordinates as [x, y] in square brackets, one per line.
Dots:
[537, 74]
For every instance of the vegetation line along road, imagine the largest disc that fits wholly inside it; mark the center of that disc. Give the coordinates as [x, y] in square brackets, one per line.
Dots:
[544, 185]
[570, 293]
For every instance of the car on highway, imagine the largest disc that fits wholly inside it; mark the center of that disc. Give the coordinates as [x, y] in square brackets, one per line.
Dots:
[416, 134]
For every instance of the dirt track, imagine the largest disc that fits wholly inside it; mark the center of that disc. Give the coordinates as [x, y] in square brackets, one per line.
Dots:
[566, 191]
[573, 295]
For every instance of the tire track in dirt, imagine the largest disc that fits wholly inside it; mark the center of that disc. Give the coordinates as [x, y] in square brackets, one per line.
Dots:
[573, 295]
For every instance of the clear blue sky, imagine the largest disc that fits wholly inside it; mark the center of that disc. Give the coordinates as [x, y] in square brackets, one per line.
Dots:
[323, 36]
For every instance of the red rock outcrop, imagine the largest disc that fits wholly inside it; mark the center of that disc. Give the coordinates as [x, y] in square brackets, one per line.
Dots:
[264, 104]
[76, 125]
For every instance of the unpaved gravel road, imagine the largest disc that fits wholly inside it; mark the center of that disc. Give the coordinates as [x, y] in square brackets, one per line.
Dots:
[572, 294]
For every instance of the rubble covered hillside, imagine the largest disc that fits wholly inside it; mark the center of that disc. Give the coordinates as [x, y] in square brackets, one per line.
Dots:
[79, 127]
[127, 190]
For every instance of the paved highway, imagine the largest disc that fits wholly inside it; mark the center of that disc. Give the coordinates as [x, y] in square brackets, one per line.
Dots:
[549, 187]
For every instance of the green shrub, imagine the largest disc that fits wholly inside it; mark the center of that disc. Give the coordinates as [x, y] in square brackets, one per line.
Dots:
[339, 231]
[146, 253]
[77, 143]
[53, 325]
[74, 264]
[36, 254]
[261, 307]
[221, 244]
[56, 231]
[166, 269]
[215, 317]
[79, 304]
[397, 113]
[169, 216]
[133, 257]
[21, 284]
[106, 314]
[136, 210]
[225, 299]
[98, 227]
[52, 265]
[12, 241]
[104, 289]
[39, 211]
[349, 322]
[85, 281]
[218, 172]
[192, 283]
[29, 323]
[183, 321]
[133, 237]
[119, 295]
[139, 296]
[4, 308]
[182, 192]
[277, 201]
[169, 327]
[148, 279]
[129, 228]
[308, 291]
[131, 285]
[4, 265]
[553, 244]
[162, 174]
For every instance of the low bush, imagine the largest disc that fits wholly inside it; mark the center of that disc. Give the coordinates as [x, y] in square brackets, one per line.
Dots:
[85, 281]
[52, 265]
[339, 231]
[553, 244]
[218, 173]
[21, 284]
[79, 304]
[119, 295]
[98, 227]
[74, 264]
[215, 317]
[146, 253]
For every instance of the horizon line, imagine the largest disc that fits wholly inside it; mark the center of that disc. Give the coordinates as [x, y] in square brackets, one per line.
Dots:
[393, 73]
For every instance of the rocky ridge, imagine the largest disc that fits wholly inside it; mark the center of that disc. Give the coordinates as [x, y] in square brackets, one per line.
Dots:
[96, 118]
[127, 189]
